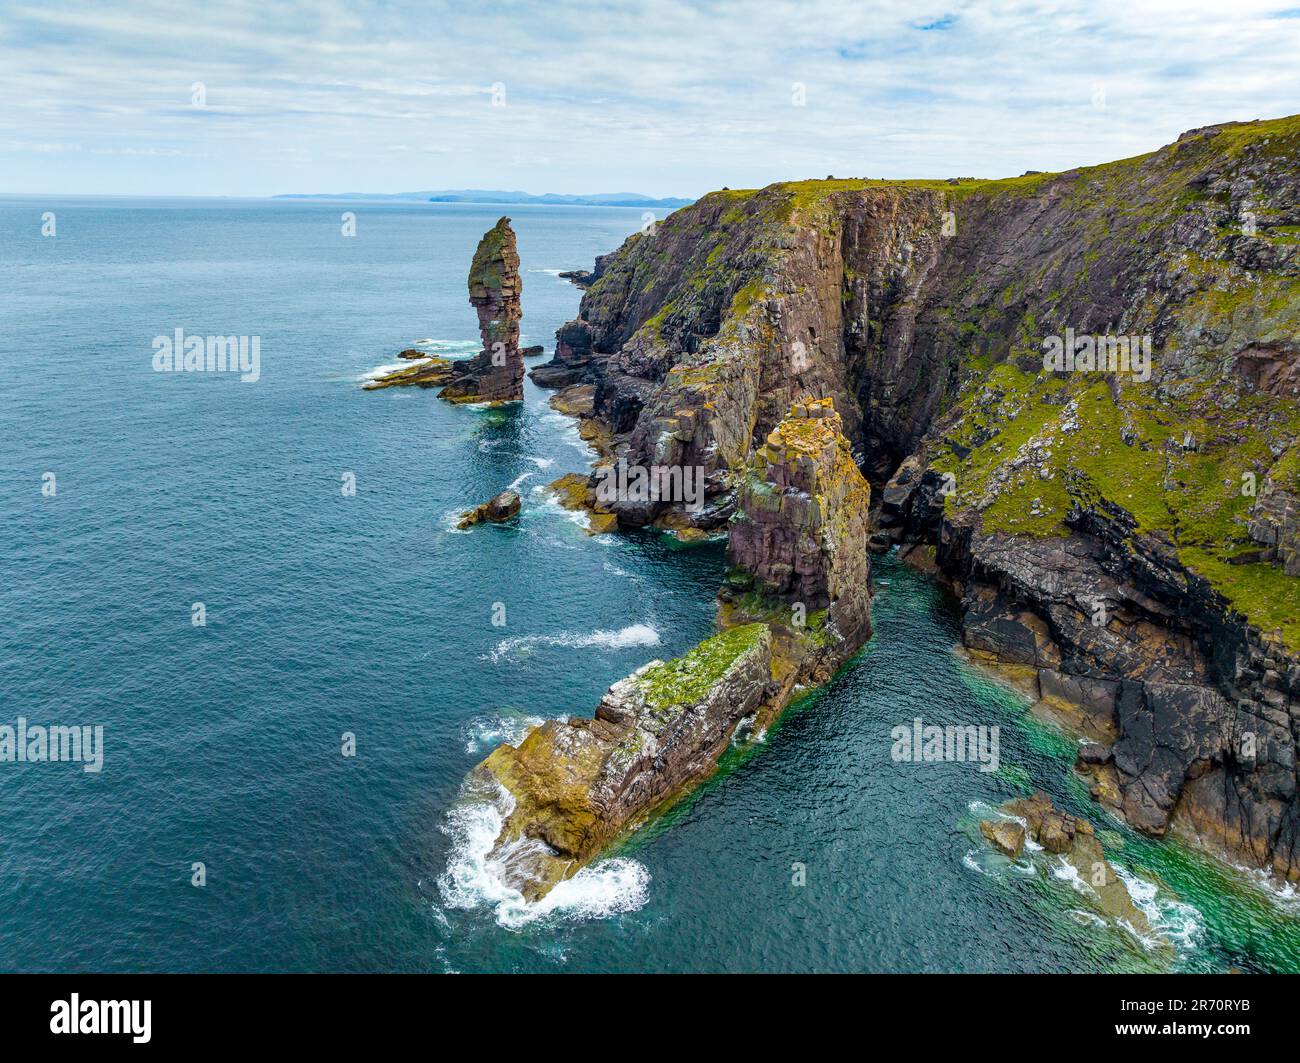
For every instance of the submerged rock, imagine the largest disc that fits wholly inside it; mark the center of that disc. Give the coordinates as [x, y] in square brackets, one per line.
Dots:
[497, 509]
[495, 374]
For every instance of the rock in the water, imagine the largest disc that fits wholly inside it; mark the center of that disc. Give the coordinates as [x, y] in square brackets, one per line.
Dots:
[500, 508]
[1005, 834]
[576, 784]
[574, 491]
[496, 373]
[800, 530]
[1074, 840]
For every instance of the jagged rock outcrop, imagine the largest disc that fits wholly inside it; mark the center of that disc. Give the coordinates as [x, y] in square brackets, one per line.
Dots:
[572, 786]
[496, 373]
[496, 510]
[575, 784]
[1275, 518]
[1095, 521]
[800, 530]
[1074, 841]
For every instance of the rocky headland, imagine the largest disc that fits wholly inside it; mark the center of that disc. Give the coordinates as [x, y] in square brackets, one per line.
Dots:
[795, 608]
[1120, 524]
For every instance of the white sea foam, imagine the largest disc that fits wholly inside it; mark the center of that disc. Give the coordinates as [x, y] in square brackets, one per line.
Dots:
[1282, 894]
[541, 463]
[454, 349]
[450, 348]
[473, 879]
[451, 521]
[486, 732]
[623, 638]
[1176, 920]
[551, 501]
[383, 370]
[973, 861]
[518, 480]
[1065, 871]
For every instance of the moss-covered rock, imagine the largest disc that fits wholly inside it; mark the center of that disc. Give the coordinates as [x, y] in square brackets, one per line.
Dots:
[577, 784]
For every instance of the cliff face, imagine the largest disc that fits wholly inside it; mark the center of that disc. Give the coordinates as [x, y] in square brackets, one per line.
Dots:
[572, 786]
[496, 373]
[1123, 523]
[800, 530]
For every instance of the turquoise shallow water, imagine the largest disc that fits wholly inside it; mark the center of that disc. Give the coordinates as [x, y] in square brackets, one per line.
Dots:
[368, 614]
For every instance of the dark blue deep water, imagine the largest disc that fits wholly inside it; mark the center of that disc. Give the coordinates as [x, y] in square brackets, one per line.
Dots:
[328, 614]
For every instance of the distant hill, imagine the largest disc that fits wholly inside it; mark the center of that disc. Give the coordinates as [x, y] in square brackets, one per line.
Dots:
[476, 195]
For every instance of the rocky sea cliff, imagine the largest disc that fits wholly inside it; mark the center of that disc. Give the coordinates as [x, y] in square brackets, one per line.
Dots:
[1075, 395]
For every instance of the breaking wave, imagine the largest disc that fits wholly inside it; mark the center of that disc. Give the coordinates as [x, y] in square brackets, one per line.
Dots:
[486, 732]
[623, 638]
[473, 879]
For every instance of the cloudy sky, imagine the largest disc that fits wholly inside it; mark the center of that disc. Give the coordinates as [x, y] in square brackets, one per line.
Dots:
[664, 97]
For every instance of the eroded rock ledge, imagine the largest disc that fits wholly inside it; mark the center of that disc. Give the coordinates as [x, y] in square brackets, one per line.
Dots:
[796, 608]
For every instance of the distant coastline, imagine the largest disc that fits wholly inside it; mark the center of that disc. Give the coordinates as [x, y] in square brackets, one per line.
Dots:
[471, 195]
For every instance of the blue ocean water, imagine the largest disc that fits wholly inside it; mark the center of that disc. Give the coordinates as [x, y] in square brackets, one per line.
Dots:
[329, 614]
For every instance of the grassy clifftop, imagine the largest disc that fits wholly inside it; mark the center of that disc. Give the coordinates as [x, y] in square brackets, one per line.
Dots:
[922, 308]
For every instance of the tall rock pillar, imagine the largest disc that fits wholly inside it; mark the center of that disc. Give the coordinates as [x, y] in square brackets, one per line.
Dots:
[496, 373]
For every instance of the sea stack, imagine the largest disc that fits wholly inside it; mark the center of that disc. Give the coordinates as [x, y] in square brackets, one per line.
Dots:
[799, 535]
[496, 373]
[796, 608]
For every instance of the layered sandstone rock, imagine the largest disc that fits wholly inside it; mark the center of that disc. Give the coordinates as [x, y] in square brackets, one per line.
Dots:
[795, 608]
[496, 373]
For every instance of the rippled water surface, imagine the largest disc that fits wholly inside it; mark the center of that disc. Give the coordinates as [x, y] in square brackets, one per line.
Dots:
[329, 614]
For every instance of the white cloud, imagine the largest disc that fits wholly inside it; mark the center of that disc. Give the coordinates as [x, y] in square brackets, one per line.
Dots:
[664, 97]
